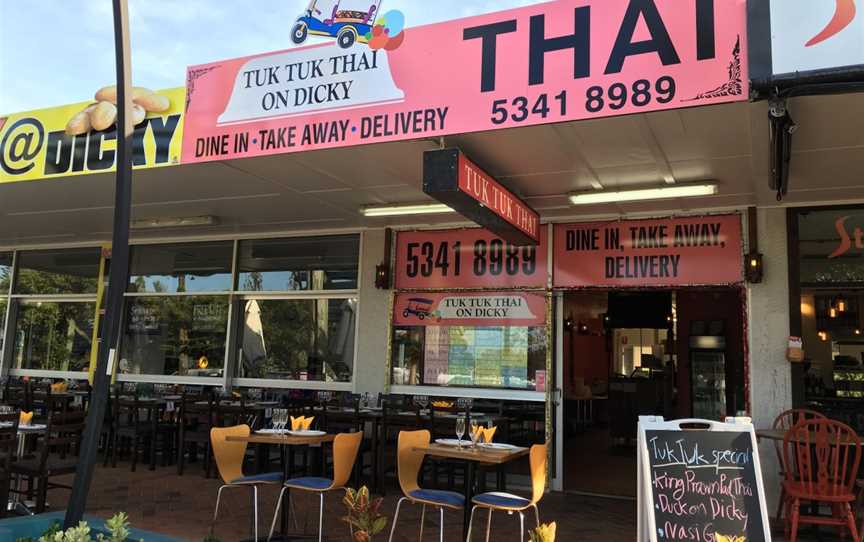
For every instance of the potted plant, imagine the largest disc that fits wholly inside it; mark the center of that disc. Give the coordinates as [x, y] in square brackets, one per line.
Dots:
[364, 514]
[544, 533]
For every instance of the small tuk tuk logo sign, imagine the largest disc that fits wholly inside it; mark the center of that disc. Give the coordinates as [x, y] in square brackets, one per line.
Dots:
[495, 308]
[332, 19]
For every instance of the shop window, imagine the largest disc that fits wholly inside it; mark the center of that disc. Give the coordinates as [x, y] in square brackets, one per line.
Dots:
[511, 357]
[831, 270]
[299, 263]
[296, 339]
[53, 336]
[174, 335]
[58, 272]
[5, 279]
[181, 268]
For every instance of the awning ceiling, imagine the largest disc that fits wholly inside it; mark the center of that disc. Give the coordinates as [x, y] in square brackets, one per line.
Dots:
[324, 190]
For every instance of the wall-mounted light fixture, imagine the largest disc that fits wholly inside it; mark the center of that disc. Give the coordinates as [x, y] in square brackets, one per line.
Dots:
[840, 303]
[382, 270]
[754, 269]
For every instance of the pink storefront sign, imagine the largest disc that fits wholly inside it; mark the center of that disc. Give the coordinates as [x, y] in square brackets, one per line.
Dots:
[545, 63]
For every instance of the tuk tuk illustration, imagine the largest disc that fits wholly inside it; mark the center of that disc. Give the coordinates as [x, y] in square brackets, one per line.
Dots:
[346, 21]
[419, 307]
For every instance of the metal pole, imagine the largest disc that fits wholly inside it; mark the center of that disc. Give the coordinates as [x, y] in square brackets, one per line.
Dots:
[119, 274]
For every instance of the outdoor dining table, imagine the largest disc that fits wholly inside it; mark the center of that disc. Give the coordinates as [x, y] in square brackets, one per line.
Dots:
[472, 456]
[285, 441]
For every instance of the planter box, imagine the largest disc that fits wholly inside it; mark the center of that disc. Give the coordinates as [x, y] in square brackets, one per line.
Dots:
[33, 526]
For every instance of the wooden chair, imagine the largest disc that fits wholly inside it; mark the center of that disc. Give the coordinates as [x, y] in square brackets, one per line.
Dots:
[8, 448]
[409, 465]
[345, 447]
[194, 422]
[56, 455]
[784, 422]
[506, 502]
[229, 460]
[820, 461]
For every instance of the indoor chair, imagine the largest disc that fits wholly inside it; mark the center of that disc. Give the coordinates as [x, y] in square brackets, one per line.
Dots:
[345, 447]
[409, 462]
[506, 502]
[229, 458]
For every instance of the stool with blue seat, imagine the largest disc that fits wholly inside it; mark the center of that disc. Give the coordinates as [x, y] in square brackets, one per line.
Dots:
[229, 458]
[507, 502]
[345, 447]
[409, 461]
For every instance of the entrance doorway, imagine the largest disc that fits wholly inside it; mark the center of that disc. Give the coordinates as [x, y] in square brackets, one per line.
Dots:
[672, 353]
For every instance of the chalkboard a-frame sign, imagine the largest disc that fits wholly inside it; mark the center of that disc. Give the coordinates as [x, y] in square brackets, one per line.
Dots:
[700, 481]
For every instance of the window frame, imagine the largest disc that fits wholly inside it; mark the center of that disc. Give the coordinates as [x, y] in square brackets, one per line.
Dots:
[228, 380]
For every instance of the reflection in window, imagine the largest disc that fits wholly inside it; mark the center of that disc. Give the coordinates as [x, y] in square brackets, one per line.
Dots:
[54, 336]
[305, 339]
[51, 272]
[3, 305]
[299, 263]
[510, 357]
[188, 267]
[182, 336]
[5, 272]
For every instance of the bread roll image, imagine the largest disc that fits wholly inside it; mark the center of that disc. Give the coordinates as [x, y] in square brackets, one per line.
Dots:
[138, 115]
[103, 115]
[153, 103]
[80, 123]
[109, 93]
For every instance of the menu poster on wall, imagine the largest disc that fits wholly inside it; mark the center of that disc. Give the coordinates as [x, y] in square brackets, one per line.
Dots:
[636, 253]
[467, 258]
[436, 355]
[375, 77]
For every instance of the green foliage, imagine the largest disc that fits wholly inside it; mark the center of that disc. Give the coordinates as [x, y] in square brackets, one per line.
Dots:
[118, 527]
[364, 514]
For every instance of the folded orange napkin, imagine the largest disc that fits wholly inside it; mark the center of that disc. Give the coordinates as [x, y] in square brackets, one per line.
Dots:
[301, 423]
[482, 434]
[59, 387]
[24, 418]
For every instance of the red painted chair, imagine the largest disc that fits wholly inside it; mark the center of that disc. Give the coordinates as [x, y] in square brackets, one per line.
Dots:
[821, 459]
[784, 422]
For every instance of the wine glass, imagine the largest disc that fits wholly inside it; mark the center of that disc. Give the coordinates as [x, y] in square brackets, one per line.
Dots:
[460, 429]
[475, 437]
[421, 401]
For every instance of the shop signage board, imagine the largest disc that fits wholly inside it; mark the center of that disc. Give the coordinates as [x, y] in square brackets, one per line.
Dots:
[467, 258]
[637, 253]
[801, 41]
[544, 63]
[34, 144]
[451, 178]
[504, 308]
[700, 484]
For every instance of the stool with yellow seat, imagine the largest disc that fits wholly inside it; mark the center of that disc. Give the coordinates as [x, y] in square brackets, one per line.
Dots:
[409, 463]
[345, 447]
[507, 502]
[229, 458]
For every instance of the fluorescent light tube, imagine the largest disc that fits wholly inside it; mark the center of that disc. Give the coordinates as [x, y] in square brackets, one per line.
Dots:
[677, 191]
[175, 222]
[401, 210]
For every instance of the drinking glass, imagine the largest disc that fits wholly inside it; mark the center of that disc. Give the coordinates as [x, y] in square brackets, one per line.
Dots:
[460, 429]
[475, 437]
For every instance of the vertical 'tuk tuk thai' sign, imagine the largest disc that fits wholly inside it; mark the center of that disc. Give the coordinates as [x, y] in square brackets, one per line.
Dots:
[451, 178]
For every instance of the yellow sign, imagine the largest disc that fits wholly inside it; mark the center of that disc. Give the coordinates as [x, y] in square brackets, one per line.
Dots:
[81, 138]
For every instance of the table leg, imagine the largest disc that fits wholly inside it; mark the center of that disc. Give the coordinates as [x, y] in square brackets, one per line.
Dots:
[376, 475]
[469, 494]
